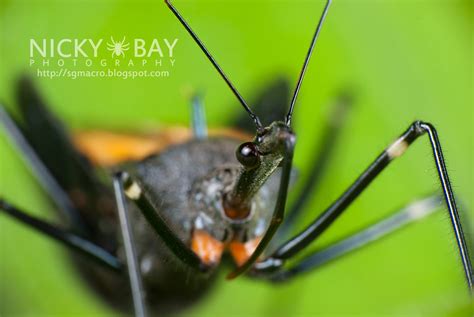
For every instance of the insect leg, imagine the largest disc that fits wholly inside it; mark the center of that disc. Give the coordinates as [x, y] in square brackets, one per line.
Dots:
[130, 253]
[133, 191]
[68, 238]
[42, 174]
[396, 149]
[329, 140]
[53, 145]
[198, 117]
[407, 215]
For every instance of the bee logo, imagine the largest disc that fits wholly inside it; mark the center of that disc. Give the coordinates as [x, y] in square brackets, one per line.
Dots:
[118, 48]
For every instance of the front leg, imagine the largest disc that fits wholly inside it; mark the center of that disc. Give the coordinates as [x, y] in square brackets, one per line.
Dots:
[396, 149]
[413, 212]
[133, 191]
[67, 237]
[129, 246]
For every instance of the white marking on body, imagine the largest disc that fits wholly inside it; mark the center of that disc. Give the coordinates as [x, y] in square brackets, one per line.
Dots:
[133, 192]
[198, 223]
[146, 265]
[397, 148]
[202, 221]
[213, 188]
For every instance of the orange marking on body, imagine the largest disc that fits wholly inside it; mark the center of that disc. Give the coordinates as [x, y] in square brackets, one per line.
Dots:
[110, 148]
[206, 247]
[241, 252]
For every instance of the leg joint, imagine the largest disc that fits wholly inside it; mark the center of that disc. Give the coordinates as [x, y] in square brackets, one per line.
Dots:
[416, 129]
[425, 127]
[130, 187]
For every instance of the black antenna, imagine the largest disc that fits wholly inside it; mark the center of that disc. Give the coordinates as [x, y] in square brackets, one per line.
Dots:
[216, 66]
[306, 61]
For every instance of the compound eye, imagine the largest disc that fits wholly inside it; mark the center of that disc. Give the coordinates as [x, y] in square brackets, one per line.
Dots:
[248, 155]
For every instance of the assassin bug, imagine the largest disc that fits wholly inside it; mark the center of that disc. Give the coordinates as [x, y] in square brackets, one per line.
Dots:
[272, 148]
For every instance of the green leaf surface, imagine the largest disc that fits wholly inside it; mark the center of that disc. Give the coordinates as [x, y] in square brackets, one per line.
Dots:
[404, 60]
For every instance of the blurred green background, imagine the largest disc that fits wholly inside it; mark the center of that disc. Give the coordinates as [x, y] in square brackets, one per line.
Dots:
[405, 59]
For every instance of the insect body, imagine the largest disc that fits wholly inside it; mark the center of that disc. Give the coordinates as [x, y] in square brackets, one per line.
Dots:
[185, 184]
[167, 221]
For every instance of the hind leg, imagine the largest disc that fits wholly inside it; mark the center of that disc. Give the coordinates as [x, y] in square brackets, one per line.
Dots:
[65, 174]
[66, 237]
[39, 170]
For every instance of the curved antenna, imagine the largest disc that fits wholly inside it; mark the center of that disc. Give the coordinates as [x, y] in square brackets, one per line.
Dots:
[214, 63]
[306, 61]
